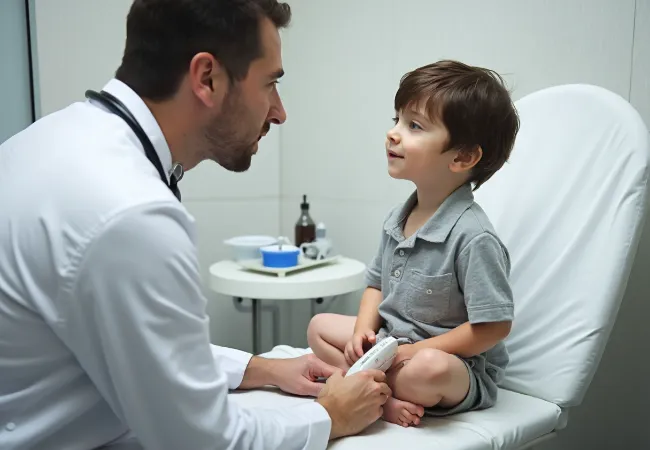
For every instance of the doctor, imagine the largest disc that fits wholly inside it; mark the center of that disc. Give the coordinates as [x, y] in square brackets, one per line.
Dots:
[103, 332]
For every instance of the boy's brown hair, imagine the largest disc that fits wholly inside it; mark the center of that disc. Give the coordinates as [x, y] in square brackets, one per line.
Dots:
[472, 103]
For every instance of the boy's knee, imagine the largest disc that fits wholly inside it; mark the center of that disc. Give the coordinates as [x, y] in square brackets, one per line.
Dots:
[315, 327]
[432, 364]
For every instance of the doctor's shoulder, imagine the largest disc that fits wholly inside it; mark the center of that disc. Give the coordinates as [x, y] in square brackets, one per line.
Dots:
[110, 180]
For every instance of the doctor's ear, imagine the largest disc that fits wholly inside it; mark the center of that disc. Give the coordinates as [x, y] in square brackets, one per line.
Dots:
[466, 159]
[208, 79]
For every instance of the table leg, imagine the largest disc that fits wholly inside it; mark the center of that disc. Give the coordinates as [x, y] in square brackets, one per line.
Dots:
[257, 328]
[314, 302]
[276, 326]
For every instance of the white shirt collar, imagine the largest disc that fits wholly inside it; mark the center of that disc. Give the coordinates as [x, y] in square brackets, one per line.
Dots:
[145, 118]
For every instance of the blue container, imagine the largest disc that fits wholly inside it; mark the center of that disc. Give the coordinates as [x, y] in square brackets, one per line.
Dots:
[273, 256]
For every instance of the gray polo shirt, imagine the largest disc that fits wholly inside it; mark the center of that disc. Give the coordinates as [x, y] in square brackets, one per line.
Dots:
[454, 269]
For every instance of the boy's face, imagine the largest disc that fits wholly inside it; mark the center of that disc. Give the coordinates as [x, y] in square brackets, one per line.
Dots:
[415, 150]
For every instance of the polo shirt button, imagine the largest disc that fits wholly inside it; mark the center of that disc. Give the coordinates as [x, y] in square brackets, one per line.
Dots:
[397, 273]
[401, 252]
[10, 426]
[429, 291]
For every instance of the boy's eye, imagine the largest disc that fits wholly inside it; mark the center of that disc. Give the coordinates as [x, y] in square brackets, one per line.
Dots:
[415, 126]
[395, 120]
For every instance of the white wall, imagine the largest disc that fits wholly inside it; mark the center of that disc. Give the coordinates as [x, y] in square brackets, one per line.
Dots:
[15, 95]
[640, 83]
[344, 60]
[75, 51]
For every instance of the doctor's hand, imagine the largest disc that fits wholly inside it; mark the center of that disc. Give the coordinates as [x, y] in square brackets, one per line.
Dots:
[355, 402]
[299, 375]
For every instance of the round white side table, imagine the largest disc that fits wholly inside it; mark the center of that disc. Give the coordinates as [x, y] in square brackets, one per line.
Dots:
[337, 278]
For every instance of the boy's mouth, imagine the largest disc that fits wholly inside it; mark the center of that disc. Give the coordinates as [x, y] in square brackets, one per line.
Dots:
[392, 154]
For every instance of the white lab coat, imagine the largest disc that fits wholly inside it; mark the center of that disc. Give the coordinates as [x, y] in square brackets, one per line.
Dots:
[103, 327]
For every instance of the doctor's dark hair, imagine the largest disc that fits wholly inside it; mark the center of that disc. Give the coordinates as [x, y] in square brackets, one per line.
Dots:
[162, 37]
[473, 104]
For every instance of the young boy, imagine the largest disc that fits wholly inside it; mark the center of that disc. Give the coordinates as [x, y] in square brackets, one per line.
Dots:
[439, 282]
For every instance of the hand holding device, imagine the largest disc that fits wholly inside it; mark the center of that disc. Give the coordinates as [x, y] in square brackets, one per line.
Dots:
[355, 402]
[379, 357]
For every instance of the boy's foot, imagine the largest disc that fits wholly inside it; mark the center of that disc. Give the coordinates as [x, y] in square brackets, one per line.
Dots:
[402, 413]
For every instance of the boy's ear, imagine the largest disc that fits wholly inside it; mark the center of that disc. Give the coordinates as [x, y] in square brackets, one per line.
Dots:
[466, 159]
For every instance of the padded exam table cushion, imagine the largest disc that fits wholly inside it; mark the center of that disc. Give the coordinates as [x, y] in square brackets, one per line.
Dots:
[515, 420]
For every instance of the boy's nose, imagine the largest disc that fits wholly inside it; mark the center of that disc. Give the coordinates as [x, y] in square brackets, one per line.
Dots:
[393, 136]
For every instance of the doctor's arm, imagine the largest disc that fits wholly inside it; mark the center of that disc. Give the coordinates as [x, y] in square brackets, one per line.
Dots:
[139, 329]
[293, 375]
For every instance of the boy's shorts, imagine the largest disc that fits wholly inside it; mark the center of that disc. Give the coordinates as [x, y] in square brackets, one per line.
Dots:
[482, 393]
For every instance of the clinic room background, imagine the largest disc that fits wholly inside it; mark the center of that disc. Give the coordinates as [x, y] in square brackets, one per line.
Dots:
[343, 60]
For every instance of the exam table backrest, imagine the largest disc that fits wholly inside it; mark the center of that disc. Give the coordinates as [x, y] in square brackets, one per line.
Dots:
[570, 207]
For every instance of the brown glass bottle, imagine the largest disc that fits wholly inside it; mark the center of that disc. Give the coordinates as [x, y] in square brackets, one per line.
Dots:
[305, 226]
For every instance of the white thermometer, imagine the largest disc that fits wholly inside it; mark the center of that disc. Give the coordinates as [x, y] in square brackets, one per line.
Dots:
[380, 357]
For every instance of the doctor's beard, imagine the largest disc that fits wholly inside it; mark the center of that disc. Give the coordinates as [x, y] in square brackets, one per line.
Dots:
[228, 138]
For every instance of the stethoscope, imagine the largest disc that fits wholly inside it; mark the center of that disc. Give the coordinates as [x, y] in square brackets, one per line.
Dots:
[118, 108]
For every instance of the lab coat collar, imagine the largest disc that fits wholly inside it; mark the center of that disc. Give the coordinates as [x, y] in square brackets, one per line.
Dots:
[147, 121]
[438, 227]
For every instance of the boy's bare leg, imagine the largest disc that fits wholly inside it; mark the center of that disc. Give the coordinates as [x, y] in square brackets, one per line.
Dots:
[327, 336]
[431, 378]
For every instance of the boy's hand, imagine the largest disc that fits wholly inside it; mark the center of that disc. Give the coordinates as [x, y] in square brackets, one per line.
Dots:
[354, 349]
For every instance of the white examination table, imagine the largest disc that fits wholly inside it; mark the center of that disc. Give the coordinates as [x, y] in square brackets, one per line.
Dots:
[570, 207]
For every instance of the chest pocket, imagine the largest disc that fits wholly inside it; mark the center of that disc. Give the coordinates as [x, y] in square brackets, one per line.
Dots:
[428, 296]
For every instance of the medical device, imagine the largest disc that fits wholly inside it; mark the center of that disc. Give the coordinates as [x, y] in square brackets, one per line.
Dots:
[380, 357]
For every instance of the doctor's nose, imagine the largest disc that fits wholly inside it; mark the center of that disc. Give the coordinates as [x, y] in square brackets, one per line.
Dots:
[277, 114]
